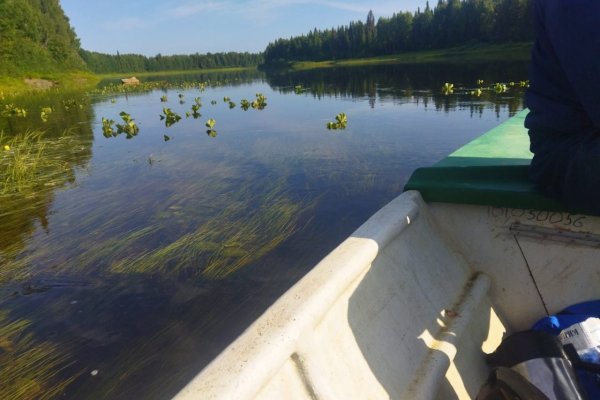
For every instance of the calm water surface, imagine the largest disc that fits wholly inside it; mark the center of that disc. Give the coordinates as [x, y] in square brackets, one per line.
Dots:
[127, 265]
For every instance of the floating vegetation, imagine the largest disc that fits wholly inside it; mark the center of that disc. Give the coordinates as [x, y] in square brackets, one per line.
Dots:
[500, 88]
[244, 104]
[71, 103]
[129, 127]
[213, 102]
[181, 98]
[163, 99]
[166, 138]
[226, 99]
[341, 121]
[169, 117]
[195, 109]
[298, 89]
[45, 113]
[477, 92]
[260, 103]
[448, 88]
[231, 104]
[107, 128]
[11, 110]
[210, 125]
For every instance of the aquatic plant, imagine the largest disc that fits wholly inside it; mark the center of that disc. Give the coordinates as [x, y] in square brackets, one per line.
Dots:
[166, 138]
[10, 110]
[500, 88]
[24, 163]
[195, 109]
[163, 99]
[30, 368]
[231, 104]
[45, 113]
[260, 103]
[226, 99]
[298, 89]
[244, 104]
[169, 117]
[210, 123]
[341, 121]
[213, 102]
[480, 82]
[107, 128]
[477, 92]
[232, 239]
[448, 88]
[129, 126]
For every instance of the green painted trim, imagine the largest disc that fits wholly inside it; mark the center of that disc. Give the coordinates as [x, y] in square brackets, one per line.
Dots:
[491, 170]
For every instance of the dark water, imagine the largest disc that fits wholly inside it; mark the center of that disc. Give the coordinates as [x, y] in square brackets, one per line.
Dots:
[127, 265]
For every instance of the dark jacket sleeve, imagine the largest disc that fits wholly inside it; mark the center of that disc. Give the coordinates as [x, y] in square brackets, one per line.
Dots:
[564, 93]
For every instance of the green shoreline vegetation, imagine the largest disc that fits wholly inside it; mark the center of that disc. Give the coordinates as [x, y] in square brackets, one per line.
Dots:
[84, 80]
[467, 53]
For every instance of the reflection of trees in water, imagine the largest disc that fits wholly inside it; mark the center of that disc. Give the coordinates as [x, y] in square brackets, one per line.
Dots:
[38, 163]
[218, 78]
[415, 83]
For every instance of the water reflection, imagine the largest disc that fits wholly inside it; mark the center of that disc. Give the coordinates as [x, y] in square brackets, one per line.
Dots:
[420, 83]
[127, 265]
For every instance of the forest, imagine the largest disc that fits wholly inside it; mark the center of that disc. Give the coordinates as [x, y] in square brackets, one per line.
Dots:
[106, 63]
[449, 23]
[36, 37]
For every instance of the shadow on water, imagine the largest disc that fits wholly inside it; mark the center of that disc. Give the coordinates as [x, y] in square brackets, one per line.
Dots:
[128, 265]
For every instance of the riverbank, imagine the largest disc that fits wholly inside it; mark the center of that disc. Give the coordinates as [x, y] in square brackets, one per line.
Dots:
[465, 53]
[120, 75]
[12, 86]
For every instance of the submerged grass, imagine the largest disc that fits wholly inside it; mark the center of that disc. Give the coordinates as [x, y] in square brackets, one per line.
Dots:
[243, 232]
[29, 369]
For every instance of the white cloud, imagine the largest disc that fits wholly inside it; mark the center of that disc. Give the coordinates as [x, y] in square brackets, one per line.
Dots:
[190, 9]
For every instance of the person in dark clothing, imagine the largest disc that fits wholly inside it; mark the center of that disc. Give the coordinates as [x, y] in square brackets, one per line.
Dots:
[564, 102]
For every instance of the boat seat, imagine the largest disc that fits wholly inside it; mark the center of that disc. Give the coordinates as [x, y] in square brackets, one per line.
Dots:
[492, 170]
[498, 185]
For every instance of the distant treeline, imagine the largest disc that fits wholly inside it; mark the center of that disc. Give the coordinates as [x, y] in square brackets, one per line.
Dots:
[449, 23]
[107, 63]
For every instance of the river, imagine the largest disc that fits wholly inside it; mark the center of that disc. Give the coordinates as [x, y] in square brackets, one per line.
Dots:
[126, 265]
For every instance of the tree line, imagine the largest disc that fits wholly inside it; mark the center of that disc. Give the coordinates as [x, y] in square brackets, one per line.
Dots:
[35, 36]
[449, 23]
[108, 63]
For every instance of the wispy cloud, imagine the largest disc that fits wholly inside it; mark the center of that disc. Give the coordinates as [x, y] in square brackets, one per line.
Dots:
[190, 9]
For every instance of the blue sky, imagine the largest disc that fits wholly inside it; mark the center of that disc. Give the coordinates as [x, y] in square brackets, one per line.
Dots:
[184, 26]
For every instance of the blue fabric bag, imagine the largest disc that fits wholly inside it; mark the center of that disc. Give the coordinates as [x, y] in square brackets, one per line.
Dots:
[574, 314]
